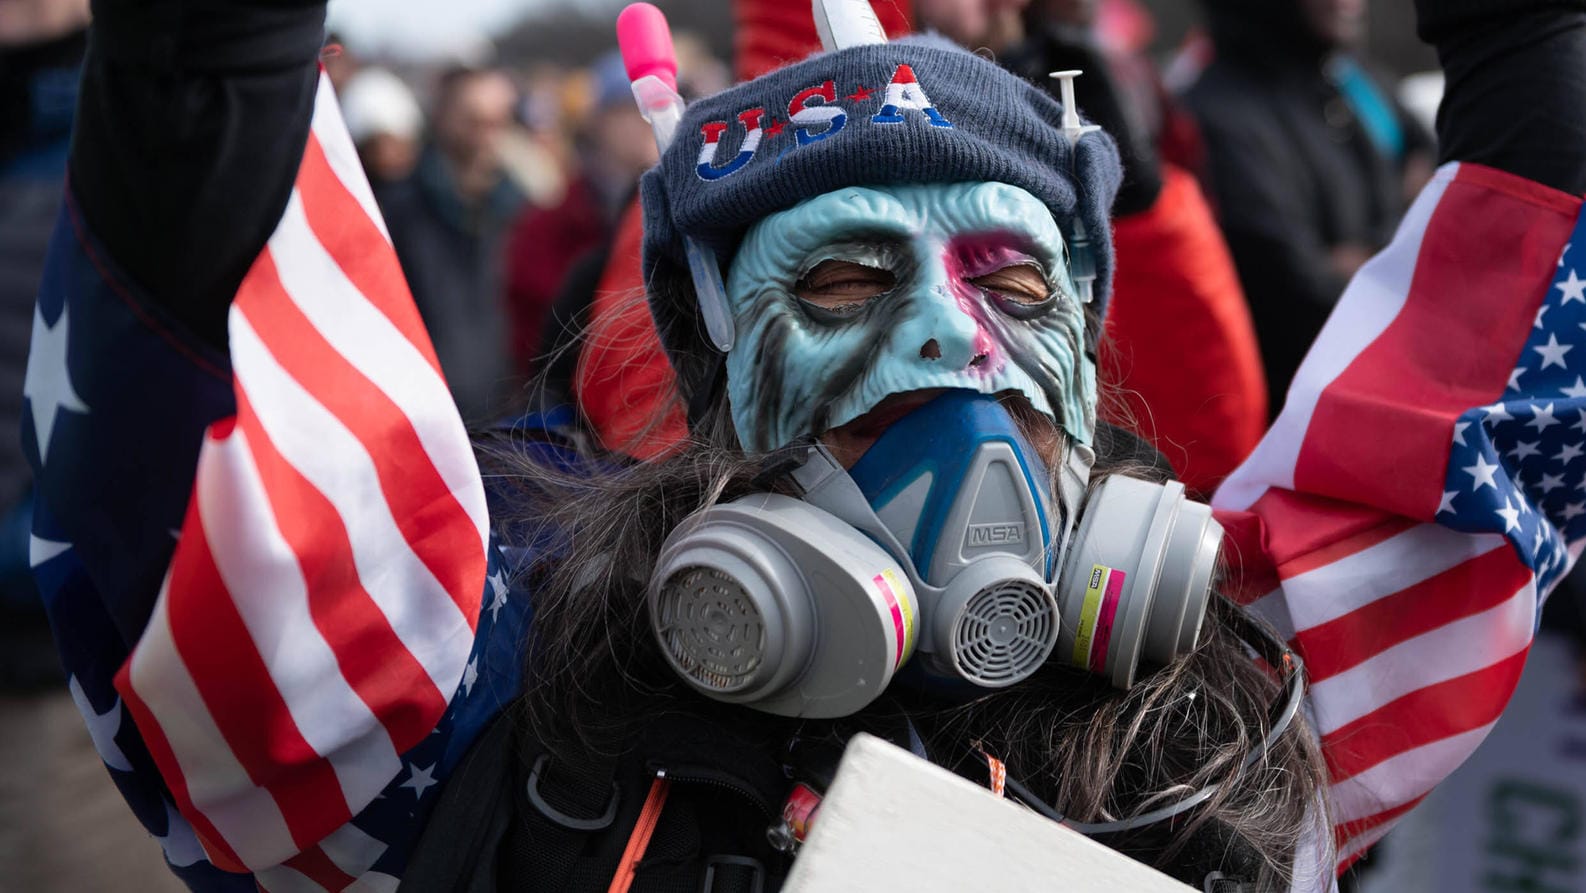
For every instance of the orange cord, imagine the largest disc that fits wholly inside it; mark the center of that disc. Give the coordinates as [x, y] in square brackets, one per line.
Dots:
[639, 840]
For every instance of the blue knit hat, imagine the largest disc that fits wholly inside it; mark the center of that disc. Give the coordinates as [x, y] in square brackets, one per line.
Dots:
[917, 110]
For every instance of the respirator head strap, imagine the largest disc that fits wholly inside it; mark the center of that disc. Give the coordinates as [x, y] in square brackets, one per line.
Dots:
[1280, 716]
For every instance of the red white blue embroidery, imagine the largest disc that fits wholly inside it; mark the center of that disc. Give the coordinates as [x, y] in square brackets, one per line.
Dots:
[815, 114]
[713, 131]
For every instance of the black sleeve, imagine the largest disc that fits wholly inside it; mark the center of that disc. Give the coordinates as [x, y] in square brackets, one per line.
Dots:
[1516, 72]
[190, 125]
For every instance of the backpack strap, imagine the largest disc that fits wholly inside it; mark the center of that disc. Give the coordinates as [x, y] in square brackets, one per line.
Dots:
[456, 852]
[566, 811]
[491, 824]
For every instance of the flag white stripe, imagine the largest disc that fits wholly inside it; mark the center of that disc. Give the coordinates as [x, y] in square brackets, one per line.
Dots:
[1368, 306]
[1381, 570]
[374, 882]
[1361, 842]
[261, 571]
[1463, 646]
[282, 879]
[244, 815]
[1403, 777]
[1313, 856]
[331, 131]
[351, 849]
[363, 335]
[314, 441]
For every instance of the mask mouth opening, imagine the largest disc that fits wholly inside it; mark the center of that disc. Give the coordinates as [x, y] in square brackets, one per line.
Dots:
[849, 441]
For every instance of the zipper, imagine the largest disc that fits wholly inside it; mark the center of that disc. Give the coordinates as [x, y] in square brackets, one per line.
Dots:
[690, 775]
[643, 830]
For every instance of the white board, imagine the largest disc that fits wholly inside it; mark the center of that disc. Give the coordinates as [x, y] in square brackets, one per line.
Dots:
[893, 821]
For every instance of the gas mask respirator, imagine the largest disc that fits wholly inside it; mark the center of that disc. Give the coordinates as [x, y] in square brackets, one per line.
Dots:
[940, 544]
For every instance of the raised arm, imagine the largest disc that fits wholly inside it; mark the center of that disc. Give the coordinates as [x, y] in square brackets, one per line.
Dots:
[190, 125]
[260, 531]
[1421, 491]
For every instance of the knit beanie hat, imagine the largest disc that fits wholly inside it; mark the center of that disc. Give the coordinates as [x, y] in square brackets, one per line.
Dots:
[916, 110]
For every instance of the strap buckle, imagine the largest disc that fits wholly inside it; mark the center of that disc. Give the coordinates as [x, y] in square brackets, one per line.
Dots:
[756, 880]
[572, 823]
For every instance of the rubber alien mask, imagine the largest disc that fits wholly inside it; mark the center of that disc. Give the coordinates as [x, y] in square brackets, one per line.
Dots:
[862, 293]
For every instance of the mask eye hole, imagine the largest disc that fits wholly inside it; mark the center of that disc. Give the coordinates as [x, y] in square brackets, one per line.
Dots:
[842, 287]
[1020, 290]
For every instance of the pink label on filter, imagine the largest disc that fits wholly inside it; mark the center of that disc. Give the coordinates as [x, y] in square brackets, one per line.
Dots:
[891, 598]
[1109, 610]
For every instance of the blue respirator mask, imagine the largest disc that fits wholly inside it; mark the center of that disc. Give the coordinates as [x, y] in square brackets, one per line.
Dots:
[949, 539]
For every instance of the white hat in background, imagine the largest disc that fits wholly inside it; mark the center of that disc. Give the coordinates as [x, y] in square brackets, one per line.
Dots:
[375, 102]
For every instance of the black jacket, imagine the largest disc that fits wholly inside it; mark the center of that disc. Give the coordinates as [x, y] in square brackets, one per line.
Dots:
[452, 256]
[1292, 172]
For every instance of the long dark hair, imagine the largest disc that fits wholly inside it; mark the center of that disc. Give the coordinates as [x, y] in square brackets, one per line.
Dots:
[1094, 752]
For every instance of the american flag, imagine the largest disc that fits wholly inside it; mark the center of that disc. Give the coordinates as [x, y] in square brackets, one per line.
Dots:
[1423, 488]
[277, 657]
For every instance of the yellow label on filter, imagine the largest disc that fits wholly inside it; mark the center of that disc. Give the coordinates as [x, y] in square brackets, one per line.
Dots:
[1089, 611]
[906, 603]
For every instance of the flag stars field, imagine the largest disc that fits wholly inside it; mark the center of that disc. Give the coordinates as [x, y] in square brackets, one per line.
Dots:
[1553, 352]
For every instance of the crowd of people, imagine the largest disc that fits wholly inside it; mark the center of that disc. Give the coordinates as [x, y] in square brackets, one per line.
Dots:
[1284, 153]
[540, 234]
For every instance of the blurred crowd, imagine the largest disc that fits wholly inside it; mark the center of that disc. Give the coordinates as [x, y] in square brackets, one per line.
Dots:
[496, 182]
[1264, 141]
[503, 184]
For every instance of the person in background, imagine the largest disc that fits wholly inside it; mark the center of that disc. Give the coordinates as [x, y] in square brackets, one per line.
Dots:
[340, 62]
[1309, 162]
[613, 147]
[385, 122]
[449, 222]
[995, 25]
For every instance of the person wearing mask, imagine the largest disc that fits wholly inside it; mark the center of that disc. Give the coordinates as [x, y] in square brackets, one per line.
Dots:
[1309, 162]
[1204, 412]
[449, 222]
[896, 471]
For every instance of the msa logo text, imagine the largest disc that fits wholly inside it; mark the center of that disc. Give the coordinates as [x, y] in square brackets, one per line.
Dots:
[1004, 534]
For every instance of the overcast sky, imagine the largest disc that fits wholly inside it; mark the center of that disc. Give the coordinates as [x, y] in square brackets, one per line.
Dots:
[427, 27]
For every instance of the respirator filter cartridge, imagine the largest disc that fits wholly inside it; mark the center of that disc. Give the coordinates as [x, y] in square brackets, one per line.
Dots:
[1136, 579]
[772, 603]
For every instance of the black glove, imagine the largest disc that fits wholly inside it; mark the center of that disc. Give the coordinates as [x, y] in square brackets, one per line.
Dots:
[1516, 72]
[1098, 96]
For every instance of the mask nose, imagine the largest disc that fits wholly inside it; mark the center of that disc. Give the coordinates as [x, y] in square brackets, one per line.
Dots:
[953, 338]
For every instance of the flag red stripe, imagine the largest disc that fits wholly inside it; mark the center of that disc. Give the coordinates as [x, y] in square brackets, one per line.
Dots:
[1305, 531]
[1284, 534]
[1343, 832]
[1421, 717]
[313, 864]
[371, 656]
[213, 643]
[215, 846]
[341, 225]
[1247, 573]
[1386, 528]
[1472, 587]
[434, 524]
[1439, 352]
